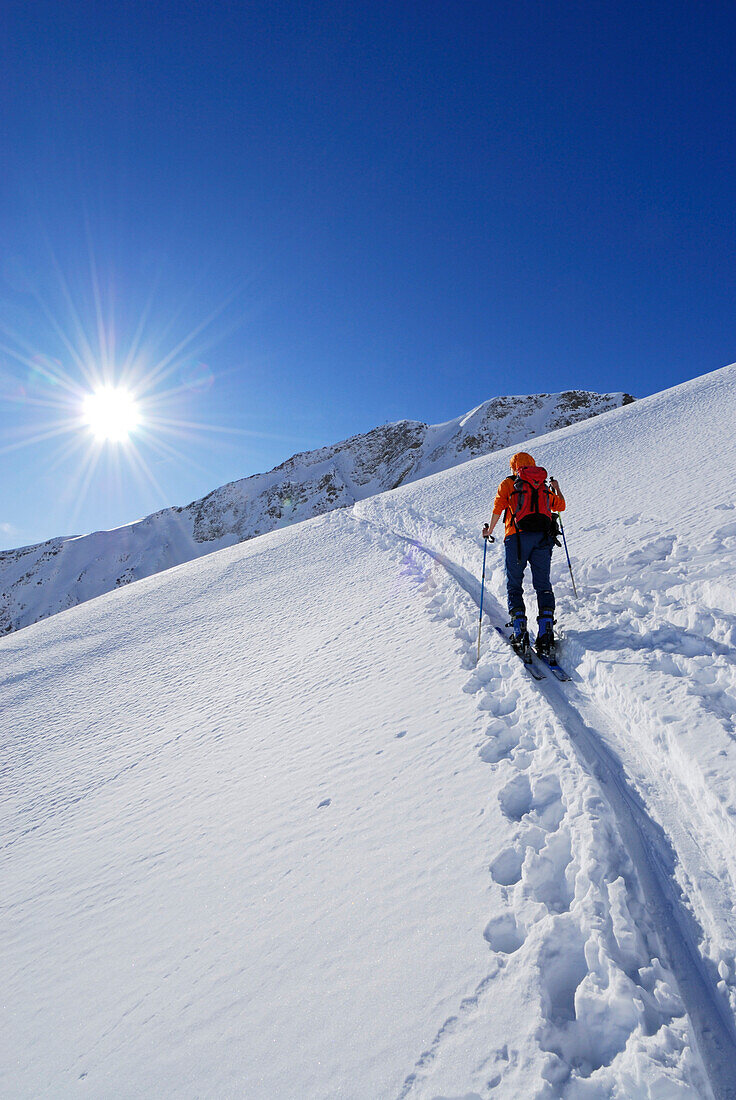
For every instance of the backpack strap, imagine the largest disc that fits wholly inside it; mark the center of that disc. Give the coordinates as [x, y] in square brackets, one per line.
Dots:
[513, 519]
[507, 510]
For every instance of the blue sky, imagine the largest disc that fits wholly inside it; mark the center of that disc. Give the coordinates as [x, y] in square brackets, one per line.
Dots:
[288, 223]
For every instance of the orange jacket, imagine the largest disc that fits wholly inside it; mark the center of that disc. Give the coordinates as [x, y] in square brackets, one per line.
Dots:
[503, 503]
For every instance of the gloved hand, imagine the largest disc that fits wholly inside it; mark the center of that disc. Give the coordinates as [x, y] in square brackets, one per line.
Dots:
[554, 486]
[487, 532]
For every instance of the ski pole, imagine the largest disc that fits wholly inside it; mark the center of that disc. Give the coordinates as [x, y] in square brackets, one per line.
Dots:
[564, 540]
[482, 586]
[569, 566]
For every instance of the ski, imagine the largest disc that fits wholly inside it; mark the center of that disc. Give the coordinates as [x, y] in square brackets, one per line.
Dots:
[533, 672]
[551, 663]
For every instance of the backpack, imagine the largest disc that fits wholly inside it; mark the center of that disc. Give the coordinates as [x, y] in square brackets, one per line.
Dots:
[530, 508]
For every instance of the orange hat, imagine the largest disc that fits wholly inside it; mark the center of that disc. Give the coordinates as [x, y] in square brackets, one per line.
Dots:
[521, 459]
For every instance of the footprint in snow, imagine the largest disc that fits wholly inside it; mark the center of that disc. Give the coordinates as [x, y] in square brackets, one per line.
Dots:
[548, 802]
[544, 873]
[506, 867]
[326, 802]
[562, 966]
[505, 934]
[500, 744]
[516, 800]
[482, 677]
[502, 706]
[501, 740]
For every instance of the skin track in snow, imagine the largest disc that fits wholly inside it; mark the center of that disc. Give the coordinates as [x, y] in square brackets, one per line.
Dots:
[654, 860]
[581, 1051]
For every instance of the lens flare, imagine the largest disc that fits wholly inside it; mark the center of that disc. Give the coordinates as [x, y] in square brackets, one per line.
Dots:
[111, 413]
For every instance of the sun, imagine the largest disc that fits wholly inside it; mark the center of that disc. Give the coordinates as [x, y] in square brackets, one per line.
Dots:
[111, 413]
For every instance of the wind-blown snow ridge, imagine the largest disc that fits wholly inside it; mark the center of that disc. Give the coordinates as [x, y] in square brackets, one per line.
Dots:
[38, 581]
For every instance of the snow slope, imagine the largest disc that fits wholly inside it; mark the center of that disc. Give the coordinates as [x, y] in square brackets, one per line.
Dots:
[38, 581]
[269, 831]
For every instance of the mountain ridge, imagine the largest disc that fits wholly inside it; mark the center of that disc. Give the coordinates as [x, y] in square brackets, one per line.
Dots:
[45, 578]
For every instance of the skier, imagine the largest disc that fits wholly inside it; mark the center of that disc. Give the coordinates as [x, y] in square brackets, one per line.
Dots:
[527, 504]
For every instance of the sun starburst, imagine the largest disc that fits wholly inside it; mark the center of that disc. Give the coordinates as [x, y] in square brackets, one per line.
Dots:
[111, 413]
[117, 402]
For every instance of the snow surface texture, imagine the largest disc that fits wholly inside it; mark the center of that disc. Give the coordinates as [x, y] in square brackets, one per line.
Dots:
[269, 831]
[38, 581]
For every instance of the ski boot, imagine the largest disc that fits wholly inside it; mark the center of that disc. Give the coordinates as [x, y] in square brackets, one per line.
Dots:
[520, 634]
[545, 642]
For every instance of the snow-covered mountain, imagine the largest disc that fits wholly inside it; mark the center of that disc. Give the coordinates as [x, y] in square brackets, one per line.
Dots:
[268, 830]
[38, 581]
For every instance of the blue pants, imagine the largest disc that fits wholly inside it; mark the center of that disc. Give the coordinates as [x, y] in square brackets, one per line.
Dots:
[536, 548]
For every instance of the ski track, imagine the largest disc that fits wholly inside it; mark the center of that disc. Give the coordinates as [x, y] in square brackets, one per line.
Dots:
[591, 730]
